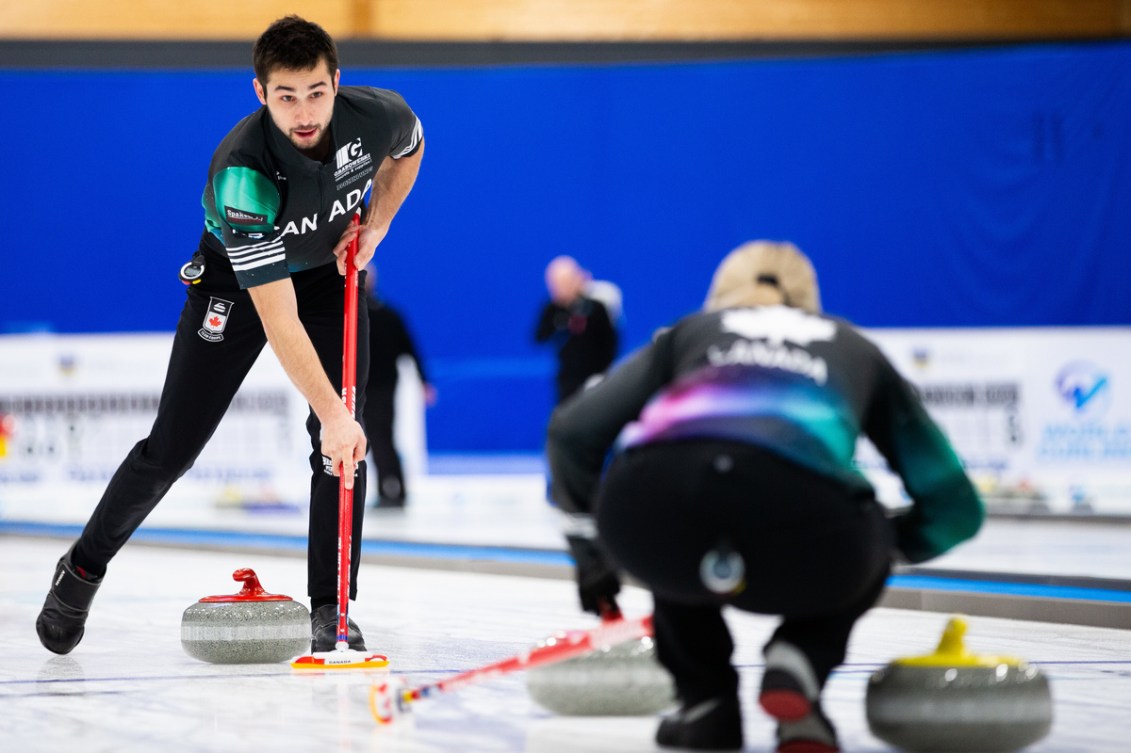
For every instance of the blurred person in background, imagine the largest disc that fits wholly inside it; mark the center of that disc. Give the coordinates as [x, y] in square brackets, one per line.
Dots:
[577, 320]
[389, 340]
[733, 483]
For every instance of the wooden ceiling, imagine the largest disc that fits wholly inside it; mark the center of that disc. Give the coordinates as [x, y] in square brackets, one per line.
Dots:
[576, 20]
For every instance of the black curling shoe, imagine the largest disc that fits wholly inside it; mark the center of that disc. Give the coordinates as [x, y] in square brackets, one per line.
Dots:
[324, 630]
[713, 724]
[62, 621]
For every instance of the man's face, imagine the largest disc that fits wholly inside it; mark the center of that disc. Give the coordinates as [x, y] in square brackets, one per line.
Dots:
[301, 103]
[565, 281]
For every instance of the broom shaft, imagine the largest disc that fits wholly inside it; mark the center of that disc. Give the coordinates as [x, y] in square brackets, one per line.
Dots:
[349, 397]
[564, 646]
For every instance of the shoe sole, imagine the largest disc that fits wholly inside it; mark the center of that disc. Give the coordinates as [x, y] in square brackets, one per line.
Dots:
[785, 705]
[709, 725]
[807, 746]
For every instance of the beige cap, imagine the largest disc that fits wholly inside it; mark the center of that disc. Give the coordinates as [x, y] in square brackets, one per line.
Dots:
[764, 273]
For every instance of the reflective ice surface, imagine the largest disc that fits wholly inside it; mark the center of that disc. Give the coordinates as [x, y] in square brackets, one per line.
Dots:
[130, 687]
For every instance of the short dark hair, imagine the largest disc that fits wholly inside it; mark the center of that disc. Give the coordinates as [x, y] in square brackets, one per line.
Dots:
[294, 44]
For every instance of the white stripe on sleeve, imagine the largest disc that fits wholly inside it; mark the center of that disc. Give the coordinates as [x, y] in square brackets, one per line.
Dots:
[417, 135]
[259, 263]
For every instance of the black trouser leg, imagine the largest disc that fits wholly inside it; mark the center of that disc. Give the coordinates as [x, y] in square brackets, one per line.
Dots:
[380, 416]
[824, 638]
[202, 378]
[322, 316]
[695, 646]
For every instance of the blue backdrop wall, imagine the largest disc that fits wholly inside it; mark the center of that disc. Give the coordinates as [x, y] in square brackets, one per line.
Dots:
[973, 188]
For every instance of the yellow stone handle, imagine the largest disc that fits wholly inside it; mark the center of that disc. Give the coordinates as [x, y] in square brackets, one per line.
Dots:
[951, 643]
[952, 652]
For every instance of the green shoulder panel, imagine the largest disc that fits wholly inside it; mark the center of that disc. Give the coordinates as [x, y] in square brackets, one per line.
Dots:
[245, 200]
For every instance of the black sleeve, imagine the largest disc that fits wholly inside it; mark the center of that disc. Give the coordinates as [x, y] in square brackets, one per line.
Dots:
[406, 132]
[582, 430]
[407, 346]
[552, 320]
[376, 331]
[946, 508]
[605, 333]
[395, 331]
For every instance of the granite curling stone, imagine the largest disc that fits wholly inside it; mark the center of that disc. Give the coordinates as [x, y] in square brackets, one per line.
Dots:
[620, 680]
[958, 702]
[249, 627]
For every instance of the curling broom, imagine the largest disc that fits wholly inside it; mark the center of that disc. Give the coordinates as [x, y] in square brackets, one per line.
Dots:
[387, 701]
[343, 657]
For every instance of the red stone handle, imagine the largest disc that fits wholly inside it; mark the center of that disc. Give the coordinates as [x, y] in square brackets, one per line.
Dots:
[251, 591]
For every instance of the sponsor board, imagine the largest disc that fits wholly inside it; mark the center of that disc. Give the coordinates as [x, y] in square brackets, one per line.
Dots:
[1040, 416]
[78, 403]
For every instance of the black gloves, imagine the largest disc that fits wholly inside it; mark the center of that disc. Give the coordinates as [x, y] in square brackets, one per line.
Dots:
[597, 580]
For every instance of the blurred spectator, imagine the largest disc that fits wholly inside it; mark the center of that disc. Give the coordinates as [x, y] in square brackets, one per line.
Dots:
[580, 320]
[389, 339]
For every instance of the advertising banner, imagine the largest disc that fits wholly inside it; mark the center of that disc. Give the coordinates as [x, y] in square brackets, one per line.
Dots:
[1040, 416]
[71, 407]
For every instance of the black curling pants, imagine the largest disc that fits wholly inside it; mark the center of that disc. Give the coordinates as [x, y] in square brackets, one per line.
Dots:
[813, 552]
[205, 370]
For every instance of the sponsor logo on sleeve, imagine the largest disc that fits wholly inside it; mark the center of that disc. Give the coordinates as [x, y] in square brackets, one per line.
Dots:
[240, 217]
[215, 320]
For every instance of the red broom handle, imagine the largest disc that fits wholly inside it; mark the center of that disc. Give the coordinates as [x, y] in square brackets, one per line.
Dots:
[349, 397]
[567, 645]
[386, 702]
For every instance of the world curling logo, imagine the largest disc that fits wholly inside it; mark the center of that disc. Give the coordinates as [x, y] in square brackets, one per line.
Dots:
[1097, 431]
[1084, 388]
